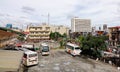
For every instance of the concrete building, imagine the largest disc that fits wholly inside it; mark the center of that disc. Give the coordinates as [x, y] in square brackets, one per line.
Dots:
[114, 35]
[61, 29]
[39, 32]
[104, 27]
[80, 25]
[27, 29]
[43, 31]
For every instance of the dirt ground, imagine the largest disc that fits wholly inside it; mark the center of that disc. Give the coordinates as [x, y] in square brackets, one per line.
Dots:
[60, 61]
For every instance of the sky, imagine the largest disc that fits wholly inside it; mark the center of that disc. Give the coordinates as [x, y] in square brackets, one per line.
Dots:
[21, 13]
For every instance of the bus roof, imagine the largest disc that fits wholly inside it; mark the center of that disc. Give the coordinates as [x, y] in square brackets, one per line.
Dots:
[44, 44]
[30, 52]
[74, 45]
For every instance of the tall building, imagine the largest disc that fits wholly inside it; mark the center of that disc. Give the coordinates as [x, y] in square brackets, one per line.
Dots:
[80, 25]
[104, 27]
[9, 26]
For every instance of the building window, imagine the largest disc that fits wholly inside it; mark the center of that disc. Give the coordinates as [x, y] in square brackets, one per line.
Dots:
[40, 28]
[35, 28]
[58, 28]
[36, 32]
[47, 28]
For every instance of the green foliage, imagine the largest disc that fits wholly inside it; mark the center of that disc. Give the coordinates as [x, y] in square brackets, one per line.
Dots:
[21, 38]
[64, 35]
[61, 43]
[52, 35]
[92, 45]
[56, 35]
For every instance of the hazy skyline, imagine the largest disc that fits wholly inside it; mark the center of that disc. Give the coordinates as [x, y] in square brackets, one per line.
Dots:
[24, 12]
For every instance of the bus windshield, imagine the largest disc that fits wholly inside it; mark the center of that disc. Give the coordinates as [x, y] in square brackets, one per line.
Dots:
[77, 48]
[45, 49]
[32, 55]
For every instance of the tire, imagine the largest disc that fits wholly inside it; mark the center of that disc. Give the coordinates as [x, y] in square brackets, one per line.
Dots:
[74, 55]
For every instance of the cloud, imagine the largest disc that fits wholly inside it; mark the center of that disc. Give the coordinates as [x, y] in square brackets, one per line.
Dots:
[28, 10]
[61, 11]
[100, 12]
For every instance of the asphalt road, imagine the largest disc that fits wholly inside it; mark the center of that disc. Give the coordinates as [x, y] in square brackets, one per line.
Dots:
[60, 61]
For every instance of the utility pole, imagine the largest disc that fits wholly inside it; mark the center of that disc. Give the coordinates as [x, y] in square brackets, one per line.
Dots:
[48, 18]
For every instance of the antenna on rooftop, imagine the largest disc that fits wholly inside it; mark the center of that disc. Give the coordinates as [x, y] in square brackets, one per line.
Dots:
[48, 18]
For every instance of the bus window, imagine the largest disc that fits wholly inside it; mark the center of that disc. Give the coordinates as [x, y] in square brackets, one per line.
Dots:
[32, 55]
[77, 48]
[45, 49]
[25, 56]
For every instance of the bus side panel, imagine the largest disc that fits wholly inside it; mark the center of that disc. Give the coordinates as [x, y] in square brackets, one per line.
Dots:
[25, 62]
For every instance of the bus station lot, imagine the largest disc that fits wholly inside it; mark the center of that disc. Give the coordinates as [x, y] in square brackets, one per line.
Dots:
[60, 61]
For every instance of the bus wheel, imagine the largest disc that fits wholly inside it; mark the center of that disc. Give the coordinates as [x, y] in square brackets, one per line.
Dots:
[73, 55]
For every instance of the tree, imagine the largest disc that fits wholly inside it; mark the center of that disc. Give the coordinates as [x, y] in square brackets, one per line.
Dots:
[21, 38]
[51, 35]
[92, 45]
[55, 35]
[64, 35]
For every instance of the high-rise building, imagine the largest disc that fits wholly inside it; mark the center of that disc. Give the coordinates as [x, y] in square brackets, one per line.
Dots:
[80, 25]
[9, 26]
[105, 27]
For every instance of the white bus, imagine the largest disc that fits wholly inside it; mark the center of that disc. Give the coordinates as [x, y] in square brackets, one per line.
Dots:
[30, 58]
[28, 46]
[73, 49]
[44, 49]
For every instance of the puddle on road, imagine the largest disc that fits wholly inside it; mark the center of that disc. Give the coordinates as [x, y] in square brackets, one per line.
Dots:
[73, 70]
[41, 65]
[57, 64]
[56, 68]
[67, 63]
[67, 70]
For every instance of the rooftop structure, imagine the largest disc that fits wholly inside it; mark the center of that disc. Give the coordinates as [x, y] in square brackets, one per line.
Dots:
[10, 60]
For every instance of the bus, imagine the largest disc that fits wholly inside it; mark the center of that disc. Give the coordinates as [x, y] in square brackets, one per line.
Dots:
[30, 58]
[28, 46]
[73, 49]
[44, 49]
